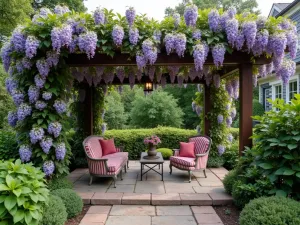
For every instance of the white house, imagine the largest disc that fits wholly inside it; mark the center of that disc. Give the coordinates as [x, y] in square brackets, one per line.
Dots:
[271, 87]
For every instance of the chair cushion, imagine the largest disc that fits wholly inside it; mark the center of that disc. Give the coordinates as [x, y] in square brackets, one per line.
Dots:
[187, 149]
[201, 144]
[124, 155]
[184, 161]
[108, 146]
[114, 163]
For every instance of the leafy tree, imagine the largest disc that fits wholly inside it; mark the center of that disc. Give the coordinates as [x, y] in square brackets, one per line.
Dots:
[158, 108]
[185, 97]
[6, 103]
[241, 5]
[115, 116]
[76, 5]
[13, 12]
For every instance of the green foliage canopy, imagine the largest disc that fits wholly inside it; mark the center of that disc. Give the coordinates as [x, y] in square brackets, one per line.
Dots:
[76, 5]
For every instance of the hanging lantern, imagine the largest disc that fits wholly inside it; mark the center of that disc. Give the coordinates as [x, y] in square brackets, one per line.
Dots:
[148, 87]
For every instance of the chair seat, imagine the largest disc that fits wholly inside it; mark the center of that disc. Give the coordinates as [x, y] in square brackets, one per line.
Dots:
[116, 155]
[114, 163]
[184, 161]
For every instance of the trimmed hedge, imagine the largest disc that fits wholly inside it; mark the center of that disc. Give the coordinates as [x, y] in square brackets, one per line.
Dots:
[133, 139]
[271, 211]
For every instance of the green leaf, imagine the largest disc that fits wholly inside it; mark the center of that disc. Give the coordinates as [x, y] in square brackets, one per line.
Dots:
[288, 172]
[266, 166]
[47, 85]
[17, 192]
[28, 218]
[10, 202]
[297, 138]
[281, 193]
[3, 187]
[2, 209]
[288, 157]
[34, 214]
[292, 146]
[47, 43]
[19, 216]
[40, 121]
[273, 140]
[298, 174]
[295, 132]
[210, 40]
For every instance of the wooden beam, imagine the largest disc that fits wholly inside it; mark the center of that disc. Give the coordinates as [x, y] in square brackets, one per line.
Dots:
[228, 74]
[246, 98]
[88, 111]
[124, 59]
[207, 109]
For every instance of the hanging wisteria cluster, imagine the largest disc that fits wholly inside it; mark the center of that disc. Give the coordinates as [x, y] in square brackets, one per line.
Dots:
[36, 51]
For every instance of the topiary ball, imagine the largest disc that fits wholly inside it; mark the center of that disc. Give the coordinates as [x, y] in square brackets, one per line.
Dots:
[55, 212]
[229, 180]
[166, 152]
[271, 211]
[59, 183]
[71, 199]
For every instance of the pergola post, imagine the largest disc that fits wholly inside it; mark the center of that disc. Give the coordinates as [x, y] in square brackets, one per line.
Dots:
[88, 110]
[207, 108]
[246, 97]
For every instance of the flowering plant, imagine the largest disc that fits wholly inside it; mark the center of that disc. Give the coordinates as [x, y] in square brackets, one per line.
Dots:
[153, 140]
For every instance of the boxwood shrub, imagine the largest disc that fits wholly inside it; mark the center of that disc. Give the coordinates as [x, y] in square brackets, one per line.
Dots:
[71, 199]
[59, 183]
[271, 211]
[166, 152]
[8, 145]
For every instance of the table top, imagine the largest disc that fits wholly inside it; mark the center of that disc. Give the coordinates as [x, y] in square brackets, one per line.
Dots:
[160, 160]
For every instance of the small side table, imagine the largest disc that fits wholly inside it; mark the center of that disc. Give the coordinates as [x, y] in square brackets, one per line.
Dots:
[155, 162]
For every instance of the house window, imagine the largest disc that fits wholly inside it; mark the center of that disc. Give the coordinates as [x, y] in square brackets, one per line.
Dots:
[293, 89]
[278, 91]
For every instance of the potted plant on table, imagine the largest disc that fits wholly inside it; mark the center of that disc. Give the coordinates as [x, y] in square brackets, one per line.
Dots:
[152, 142]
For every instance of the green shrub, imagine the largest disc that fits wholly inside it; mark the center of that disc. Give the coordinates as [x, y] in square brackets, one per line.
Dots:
[215, 161]
[55, 212]
[8, 145]
[231, 156]
[166, 152]
[229, 180]
[258, 108]
[59, 183]
[277, 152]
[133, 139]
[235, 133]
[23, 193]
[271, 211]
[72, 201]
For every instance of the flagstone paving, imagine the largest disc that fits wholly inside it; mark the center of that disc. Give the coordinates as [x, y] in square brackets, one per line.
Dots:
[174, 190]
[151, 215]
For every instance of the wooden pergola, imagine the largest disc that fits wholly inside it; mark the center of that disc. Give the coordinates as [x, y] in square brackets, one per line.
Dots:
[237, 61]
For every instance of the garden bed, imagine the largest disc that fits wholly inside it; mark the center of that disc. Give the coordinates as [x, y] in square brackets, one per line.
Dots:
[76, 220]
[228, 214]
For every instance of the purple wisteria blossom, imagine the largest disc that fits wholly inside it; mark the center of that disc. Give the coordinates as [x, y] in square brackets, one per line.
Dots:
[277, 44]
[25, 153]
[286, 70]
[36, 134]
[149, 51]
[229, 88]
[18, 39]
[60, 151]
[220, 119]
[61, 36]
[218, 53]
[43, 67]
[118, 35]
[262, 70]
[52, 58]
[223, 20]
[24, 110]
[103, 128]
[180, 44]
[170, 42]
[18, 97]
[231, 12]
[39, 81]
[99, 16]
[48, 168]
[191, 15]
[27, 64]
[261, 22]
[141, 61]
[44, 12]
[261, 42]
[199, 56]
[239, 41]
[19, 66]
[60, 106]
[249, 30]
[12, 118]
[197, 34]
[221, 149]
[60, 10]
[292, 43]
[46, 144]
[47, 95]
[198, 129]
[31, 46]
[157, 35]
[120, 73]
[33, 94]
[235, 84]
[231, 28]
[133, 35]
[269, 68]
[176, 17]
[199, 110]
[151, 72]
[88, 43]
[214, 20]
[78, 26]
[173, 71]
[54, 128]
[233, 113]
[230, 137]
[130, 15]
[40, 105]
[194, 106]
[6, 50]
[229, 121]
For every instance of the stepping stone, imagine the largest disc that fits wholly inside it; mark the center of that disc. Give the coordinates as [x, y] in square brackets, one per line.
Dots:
[132, 210]
[99, 209]
[179, 187]
[128, 220]
[205, 190]
[221, 198]
[106, 199]
[195, 199]
[173, 211]
[121, 188]
[208, 219]
[173, 220]
[86, 197]
[136, 199]
[156, 187]
[126, 181]
[203, 210]
[94, 218]
[166, 199]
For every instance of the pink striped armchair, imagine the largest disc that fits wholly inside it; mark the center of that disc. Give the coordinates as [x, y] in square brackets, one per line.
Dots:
[202, 147]
[110, 165]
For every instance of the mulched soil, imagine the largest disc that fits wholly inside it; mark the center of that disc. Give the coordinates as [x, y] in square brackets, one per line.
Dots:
[76, 220]
[228, 214]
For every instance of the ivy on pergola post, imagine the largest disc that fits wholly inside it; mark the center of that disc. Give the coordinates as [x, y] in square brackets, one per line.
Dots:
[224, 51]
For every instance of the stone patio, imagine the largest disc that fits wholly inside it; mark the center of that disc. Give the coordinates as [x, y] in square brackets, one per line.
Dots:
[174, 190]
[151, 215]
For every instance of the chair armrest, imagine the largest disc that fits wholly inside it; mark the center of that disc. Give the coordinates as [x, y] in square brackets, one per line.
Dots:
[96, 160]
[200, 155]
[175, 152]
